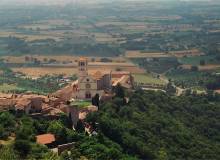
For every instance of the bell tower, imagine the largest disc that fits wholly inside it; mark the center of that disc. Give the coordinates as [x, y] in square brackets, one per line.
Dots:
[82, 67]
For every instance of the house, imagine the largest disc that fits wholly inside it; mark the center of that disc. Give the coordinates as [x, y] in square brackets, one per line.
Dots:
[28, 103]
[6, 104]
[76, 113]
[23, 105]
[46, 139]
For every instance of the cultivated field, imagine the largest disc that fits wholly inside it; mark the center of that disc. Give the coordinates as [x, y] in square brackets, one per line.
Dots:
[93, 67]
[207, 67]
[195, 60]
[139, 54]
[61, 58]
[28, 37]
[35, 72]
[186, 53]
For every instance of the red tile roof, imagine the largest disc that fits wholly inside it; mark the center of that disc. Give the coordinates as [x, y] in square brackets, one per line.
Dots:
[45, 138]
[97, 75]
[22, 103]
[83, 59]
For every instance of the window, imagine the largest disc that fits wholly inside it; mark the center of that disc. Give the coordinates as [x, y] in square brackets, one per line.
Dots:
[88, 95]
[88, 86]
[87, 79]
[82, 64]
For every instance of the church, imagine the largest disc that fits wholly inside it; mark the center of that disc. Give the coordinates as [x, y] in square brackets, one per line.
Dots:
[88, 85]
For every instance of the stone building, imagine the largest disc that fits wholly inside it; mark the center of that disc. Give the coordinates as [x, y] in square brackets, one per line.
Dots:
[90, 85]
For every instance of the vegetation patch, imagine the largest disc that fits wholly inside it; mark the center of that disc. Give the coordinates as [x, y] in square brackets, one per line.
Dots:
[199, 60]
[81, 103]
[8, 87]
[154, 125]
[147, 78]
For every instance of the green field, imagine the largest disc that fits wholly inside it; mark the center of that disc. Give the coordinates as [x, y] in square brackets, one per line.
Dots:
[188, 78]
[195, 60]
[147, 78]
[7, 87]
[81, 104]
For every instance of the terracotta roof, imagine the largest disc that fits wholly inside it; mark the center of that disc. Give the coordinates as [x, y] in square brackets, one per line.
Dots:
[97, 75]
[45, 106]
[82, 59]
[32, 96]
[65, 93]
[52, 111]
[22, 103]
[124, 81]
[55, 111]
[83, 114]
[7, 102]
[3, 95]
[45, 138]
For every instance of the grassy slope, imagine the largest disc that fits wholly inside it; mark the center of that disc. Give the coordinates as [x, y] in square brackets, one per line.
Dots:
[147, 78]
[196, 60]
[7, 87]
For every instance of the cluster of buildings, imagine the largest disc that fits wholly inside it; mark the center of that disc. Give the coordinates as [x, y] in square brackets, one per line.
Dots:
[83, 89]
[63, 101]
[88, 85]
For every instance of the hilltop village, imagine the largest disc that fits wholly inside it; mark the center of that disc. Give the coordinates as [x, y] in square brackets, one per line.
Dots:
[75, 99]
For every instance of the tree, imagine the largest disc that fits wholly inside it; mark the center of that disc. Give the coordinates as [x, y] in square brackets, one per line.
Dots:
[3, 133]
[79, 126]
[194, 68]
[170, 89]
[64, 155]
[119, 91]
[27, 58]
[45, 60]
[38, 151]
[202, 62]
[162, 155]
[25, 133]
[7, 152]
[66, 121]
[57, 128]
[23, 147]
[74, 153]
[7, 119]
[95, 100]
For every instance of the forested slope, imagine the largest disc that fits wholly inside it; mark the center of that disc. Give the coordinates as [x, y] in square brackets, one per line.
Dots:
[151, 126]
[154, 125]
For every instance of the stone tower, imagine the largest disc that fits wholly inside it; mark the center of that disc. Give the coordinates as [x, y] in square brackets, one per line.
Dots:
[82, 67]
